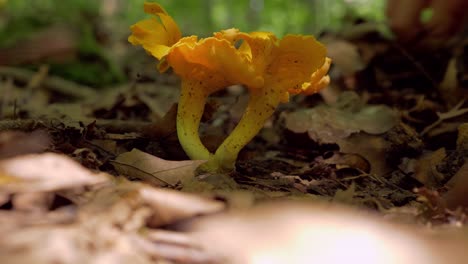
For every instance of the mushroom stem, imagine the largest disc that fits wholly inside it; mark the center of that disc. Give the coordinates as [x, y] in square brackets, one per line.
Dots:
[189, 112]
[262, 104]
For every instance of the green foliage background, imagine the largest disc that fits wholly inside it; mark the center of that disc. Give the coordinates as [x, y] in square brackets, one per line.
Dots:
[20, 18]
[202, 16]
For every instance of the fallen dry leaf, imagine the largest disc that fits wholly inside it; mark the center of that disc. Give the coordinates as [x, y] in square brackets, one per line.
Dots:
[136, 101]
[141, 165]
[328, 124]
[425, 168]
[456, 195]
[14, 143]
[346, 160]
[371, 147]
[462, 138]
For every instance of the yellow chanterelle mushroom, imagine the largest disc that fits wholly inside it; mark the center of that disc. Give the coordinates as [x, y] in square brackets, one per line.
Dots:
[270, 68]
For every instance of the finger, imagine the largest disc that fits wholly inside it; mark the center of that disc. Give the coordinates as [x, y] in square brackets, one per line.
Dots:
[449, 16]
[403, 17]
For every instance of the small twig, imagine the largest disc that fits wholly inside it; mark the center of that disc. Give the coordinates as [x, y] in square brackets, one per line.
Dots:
[454, 112]
[23, 125]
[53, 83]
[111, 126]
[416, 63]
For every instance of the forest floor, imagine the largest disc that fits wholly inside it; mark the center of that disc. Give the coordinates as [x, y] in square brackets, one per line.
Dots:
[98, 176]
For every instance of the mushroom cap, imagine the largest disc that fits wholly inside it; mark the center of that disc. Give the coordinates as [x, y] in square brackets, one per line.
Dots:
[156, 34]
[293, 64]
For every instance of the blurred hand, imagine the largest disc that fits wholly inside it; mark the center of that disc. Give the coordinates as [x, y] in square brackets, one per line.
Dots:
[449, 16]
[56, 43]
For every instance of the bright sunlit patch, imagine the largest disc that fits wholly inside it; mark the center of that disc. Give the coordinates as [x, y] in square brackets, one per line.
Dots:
[334, 241]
